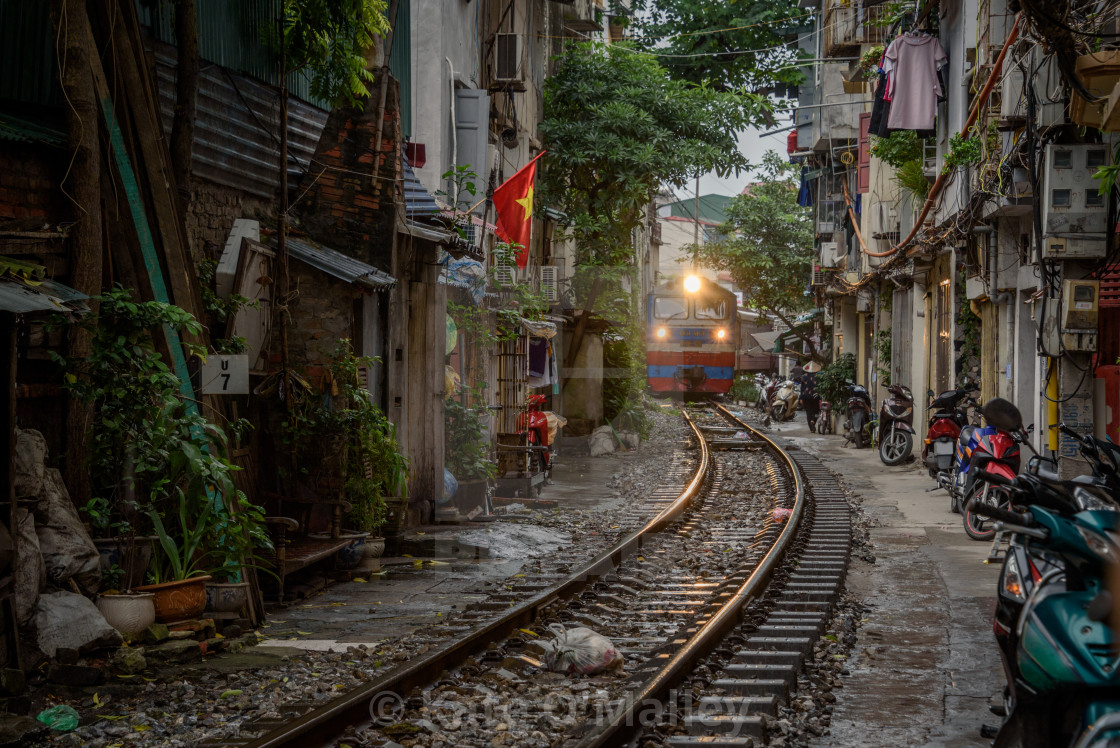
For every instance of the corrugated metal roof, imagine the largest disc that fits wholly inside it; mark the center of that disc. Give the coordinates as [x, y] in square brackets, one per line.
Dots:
[418, 202]
[232, 146]
[48, 296]
[337, 264]
[23, 130]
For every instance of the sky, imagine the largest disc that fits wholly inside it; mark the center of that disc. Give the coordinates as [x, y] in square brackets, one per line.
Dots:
[753, 145]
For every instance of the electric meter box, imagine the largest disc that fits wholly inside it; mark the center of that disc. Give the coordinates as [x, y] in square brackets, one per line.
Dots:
[1079, 314]
[1074, 212]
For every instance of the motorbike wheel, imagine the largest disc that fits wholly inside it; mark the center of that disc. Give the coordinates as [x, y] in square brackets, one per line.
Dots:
[777, 412]
[895, 447]
[976, 526]
[857, 429]
[824, 424]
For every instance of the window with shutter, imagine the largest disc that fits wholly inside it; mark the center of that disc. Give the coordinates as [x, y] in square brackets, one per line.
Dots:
[863, 171]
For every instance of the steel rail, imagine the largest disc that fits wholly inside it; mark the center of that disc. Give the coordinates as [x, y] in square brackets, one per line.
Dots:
[320, 726]
[626, 722]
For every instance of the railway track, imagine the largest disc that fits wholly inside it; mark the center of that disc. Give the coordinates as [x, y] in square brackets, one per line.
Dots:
[713, 592]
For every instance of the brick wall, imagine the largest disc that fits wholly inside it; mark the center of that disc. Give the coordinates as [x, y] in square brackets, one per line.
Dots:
[211, 214]
[29, 176]
[351, 204]
[322, 313]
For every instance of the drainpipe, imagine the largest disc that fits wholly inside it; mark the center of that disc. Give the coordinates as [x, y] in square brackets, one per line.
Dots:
[454, 139]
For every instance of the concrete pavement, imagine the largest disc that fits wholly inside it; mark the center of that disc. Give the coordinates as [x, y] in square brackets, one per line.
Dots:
[925, 665]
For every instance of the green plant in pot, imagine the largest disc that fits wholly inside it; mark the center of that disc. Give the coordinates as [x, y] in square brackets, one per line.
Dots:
[467, 446]
[365, 454]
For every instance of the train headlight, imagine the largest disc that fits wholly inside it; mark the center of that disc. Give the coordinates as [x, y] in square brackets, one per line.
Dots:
[661, 332]
[692, 284]
[721, 333]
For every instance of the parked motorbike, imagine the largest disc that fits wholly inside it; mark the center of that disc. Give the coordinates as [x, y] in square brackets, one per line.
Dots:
[534, 422]
[948, 415]
[1060, 656]
[896, 425]
[766, 388]
[824, 418]
[992, 448]
[784, 402]
[858, 414]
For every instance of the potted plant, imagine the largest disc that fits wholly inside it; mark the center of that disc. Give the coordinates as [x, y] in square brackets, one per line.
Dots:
[178, 577]
[467, 449]
[370, 465]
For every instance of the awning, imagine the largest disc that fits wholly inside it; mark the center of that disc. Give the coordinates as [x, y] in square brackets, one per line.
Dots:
[464, 273]
[24, 289]
[338, 265]
[418, 202]
[767, 340]
[538, 329]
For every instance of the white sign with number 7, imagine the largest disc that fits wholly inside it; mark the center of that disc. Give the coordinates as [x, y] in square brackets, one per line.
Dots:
[225, 375]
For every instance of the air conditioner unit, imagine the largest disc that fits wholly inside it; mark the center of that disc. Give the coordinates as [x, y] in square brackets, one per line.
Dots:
[830, 254]
[473, 234]
[505, 275]
[507, 58]
[550, 283]
[820, 276]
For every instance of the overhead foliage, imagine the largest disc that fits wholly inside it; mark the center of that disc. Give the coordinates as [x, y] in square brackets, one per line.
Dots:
[617, 127]
[769, 245]
[328, 39]
[728, 43]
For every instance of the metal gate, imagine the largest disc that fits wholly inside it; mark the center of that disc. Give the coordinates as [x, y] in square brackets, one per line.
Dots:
[901, 337]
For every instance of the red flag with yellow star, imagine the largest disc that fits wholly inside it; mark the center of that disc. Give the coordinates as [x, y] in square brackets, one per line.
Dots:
[513, 199]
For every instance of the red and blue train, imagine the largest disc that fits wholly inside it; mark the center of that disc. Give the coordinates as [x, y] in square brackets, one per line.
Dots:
[692, 335]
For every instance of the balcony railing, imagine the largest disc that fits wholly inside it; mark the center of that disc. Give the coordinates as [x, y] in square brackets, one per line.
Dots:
[848, 24]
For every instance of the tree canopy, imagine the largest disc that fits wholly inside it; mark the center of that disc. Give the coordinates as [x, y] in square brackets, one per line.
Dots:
[617, 127]
[727, 43]
[769, 246]
[328, 39]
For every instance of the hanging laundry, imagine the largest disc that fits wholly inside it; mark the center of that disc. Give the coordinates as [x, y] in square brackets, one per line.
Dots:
[912, 62]
[805, 192]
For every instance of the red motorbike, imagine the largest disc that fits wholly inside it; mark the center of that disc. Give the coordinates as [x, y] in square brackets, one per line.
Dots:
[949, 414]
[534, 422]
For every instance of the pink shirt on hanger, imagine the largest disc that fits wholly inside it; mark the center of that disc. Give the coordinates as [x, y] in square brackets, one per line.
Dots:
[912, 62]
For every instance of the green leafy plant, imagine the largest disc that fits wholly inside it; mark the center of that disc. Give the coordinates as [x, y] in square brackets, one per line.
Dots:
[221, 310]
[831, 378]
[901, 147]
[869, 60]
[962, 152]
[911, 177]
[744, 389]
[345, 438]
[184, 552]
[969, 332]
[883, 357]
[466, 443]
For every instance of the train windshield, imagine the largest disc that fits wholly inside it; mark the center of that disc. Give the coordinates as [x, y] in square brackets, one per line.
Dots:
[669, 307]
[711, 309]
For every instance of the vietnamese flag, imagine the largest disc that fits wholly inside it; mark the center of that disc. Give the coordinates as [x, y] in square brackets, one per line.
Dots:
[513, 200]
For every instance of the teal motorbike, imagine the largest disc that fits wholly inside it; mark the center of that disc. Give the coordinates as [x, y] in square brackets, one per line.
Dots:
[1060, 655]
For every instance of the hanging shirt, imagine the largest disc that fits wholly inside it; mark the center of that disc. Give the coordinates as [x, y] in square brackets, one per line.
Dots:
[912, 62]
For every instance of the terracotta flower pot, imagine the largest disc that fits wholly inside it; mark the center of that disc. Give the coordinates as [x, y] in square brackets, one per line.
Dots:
[226, 597]
[178, 601]
[128, 614]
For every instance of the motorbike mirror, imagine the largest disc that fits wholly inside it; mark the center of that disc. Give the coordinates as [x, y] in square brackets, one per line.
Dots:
[1043, 467]
[1003, 414]
[929, 394]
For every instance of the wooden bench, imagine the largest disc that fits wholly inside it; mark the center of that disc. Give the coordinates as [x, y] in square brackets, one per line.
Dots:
[291, 553]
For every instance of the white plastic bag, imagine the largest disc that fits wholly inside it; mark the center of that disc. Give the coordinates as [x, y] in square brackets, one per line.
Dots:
[580, 650]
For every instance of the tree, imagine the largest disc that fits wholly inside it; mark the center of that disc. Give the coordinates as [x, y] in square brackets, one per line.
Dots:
[769, 249]
[727, 43]
[617, 127]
